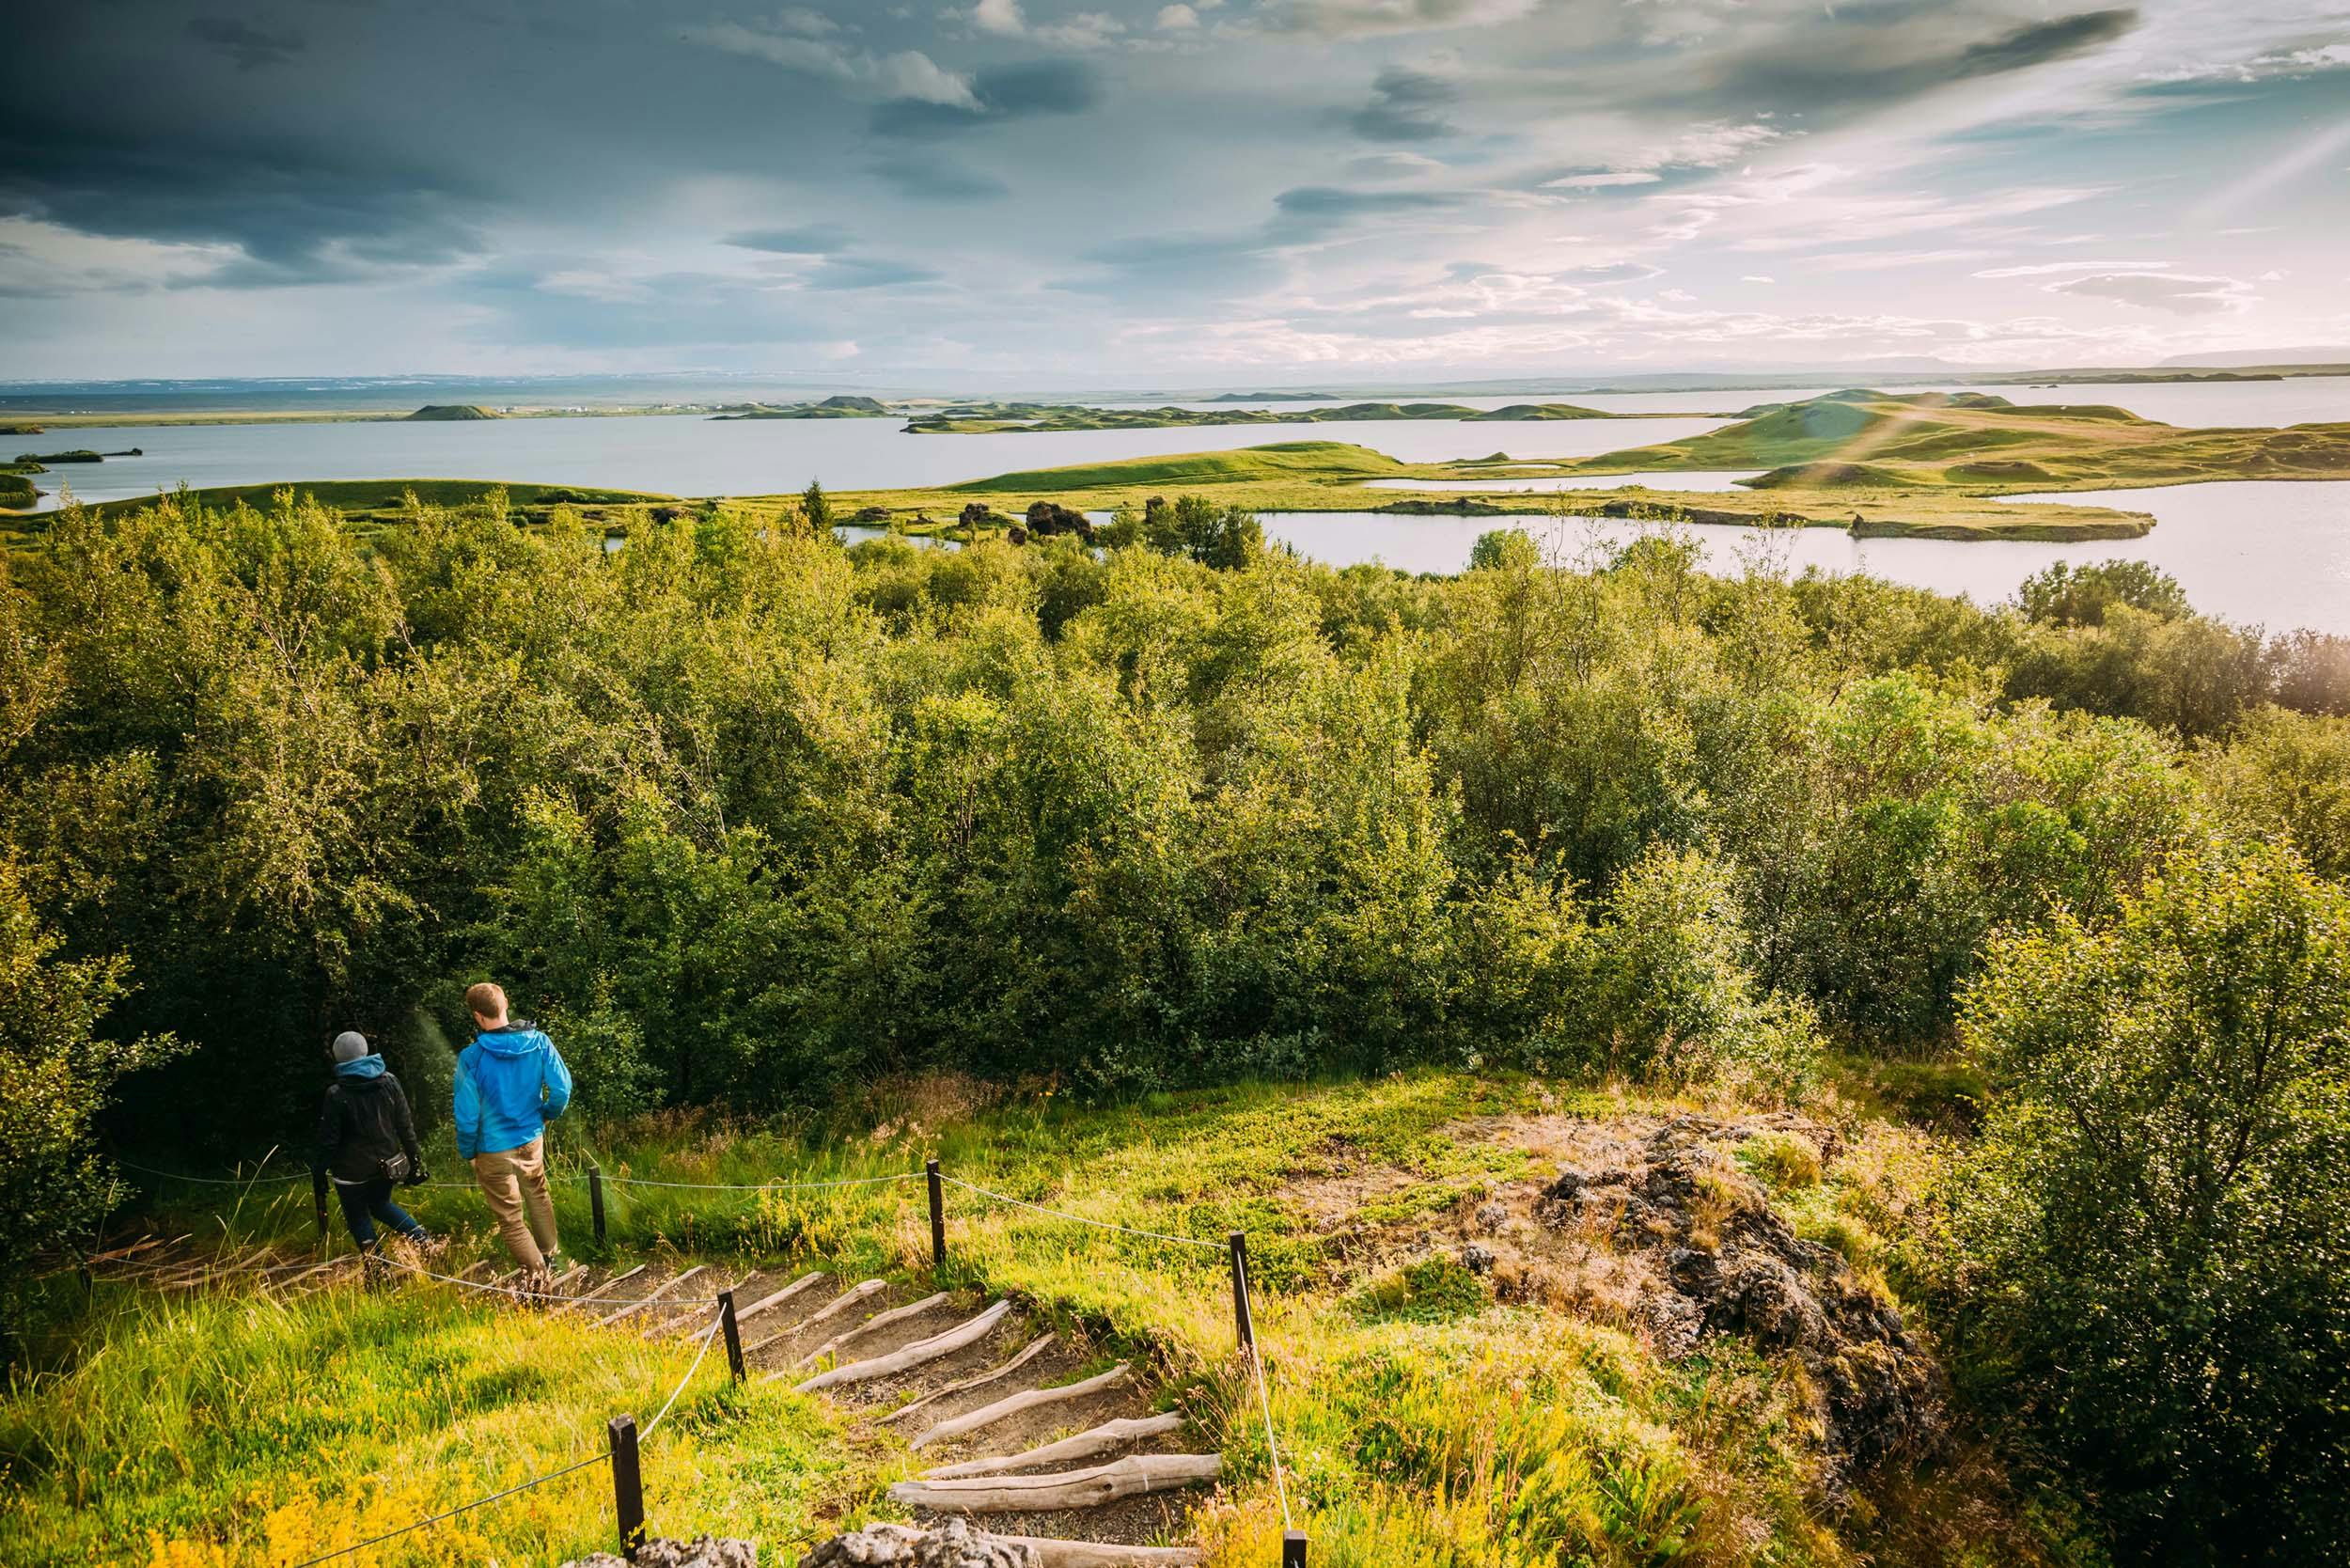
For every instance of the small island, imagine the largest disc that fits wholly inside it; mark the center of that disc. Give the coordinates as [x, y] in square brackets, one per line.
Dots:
[843, 407]
[1035, 419]
[1927, 465]
[451, 413]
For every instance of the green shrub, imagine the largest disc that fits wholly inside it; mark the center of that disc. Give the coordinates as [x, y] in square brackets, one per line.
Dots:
[2156, 1229]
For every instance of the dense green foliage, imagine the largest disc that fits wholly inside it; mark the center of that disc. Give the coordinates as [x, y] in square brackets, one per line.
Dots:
[748, 816]
[747, 820]
[2160, 1205]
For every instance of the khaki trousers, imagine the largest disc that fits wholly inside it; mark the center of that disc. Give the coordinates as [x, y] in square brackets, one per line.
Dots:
[515, 1182]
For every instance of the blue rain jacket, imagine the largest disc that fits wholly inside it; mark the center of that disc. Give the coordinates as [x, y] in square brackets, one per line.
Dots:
[510, 1082]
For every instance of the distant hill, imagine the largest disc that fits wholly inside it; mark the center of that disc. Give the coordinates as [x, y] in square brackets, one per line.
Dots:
[453, 412]
[843, 407]
[1004, 419]
[1273, 397]
[2339, 355]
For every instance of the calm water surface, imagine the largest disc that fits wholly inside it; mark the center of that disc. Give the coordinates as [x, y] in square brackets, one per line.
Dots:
[689, 455]
[2274, 554]
[2269, 553]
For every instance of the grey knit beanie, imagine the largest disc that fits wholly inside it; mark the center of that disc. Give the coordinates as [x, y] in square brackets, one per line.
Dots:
[350, 1045]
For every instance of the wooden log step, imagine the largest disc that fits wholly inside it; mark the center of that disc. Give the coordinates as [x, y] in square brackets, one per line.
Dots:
[879, 1320]
[987, 1415]
[1107, 1438]
[1130, 1477]
[1051, 1553]
[908, 1356]
[777, 1298]
[691, 1316]
[135, 1247]
[587, 1296]
[1035, 1348]
[555, 1285]
[656, 1293]
[838, 1305]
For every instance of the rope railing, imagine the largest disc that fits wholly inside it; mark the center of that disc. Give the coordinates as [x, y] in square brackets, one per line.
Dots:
[1293, 1543]
[621, 1452]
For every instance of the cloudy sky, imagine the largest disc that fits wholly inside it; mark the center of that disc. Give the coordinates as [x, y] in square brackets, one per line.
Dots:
[1216, 191]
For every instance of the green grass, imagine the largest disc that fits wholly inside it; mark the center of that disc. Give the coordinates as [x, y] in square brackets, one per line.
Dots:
[379, 499]
[233, 1429]
[1424, 1424]
[1985, 444]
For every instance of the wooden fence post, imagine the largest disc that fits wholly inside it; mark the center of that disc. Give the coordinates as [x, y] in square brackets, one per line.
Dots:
[938, 1217]
[595, 1200]
[1294, 1549]
[1241, 1324]
[318, 1199]
[628, 1486]
[732, 1332]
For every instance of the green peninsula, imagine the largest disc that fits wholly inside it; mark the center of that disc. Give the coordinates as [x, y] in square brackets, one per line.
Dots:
[843, 407]
[1882, 465]
[1973, 441]
[1006, 418]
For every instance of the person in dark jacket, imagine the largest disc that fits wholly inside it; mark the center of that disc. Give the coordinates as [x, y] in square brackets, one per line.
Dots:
[367, 1142]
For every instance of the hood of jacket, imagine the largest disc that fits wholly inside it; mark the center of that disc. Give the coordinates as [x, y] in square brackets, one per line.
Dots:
[360, 1070]
[515, 1040]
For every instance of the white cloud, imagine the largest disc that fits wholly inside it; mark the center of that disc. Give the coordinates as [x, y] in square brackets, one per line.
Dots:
[1757, 277]
[908, 74]
[1369, 18]
[1597, 182]
[2181, 293]
[1085, 30]
[2044, 269]
[1178, 19]
[999, 16]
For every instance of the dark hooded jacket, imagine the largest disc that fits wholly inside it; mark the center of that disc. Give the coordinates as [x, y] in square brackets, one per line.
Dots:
[365, 1122]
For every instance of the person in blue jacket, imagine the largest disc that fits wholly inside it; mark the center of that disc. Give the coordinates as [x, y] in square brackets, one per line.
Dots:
[510, 1082]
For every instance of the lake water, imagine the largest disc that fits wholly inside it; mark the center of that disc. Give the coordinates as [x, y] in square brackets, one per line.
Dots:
[690, 455]
[2267, 553]
[2276, 554]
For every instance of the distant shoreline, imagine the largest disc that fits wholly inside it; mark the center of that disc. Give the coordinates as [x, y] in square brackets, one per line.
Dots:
[59, 415]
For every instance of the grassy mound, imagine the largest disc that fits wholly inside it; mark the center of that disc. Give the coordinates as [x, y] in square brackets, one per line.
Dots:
[1828, 476]
[1281, 461]
[453, 412]
[1906, 442]
[1437, 1404]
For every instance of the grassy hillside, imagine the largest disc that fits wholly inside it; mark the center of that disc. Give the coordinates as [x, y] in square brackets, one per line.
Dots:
[1327, 476]
[452, 412]
[1874, 441]
[1431, 1411]
[843, 407]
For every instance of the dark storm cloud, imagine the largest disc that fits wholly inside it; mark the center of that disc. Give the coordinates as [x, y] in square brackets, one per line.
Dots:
[300, 214]
[250, 45]
[819, 239]
[998, 93]
[935, 177]
[1405, 107]
[1338, 202]
[1866, 58]
[850, 271]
